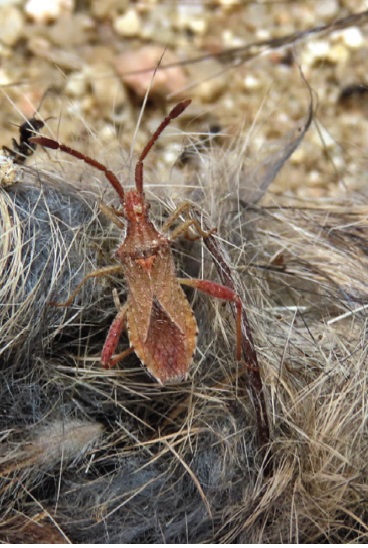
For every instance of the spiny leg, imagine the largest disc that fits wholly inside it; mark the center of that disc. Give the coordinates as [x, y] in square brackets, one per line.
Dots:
[106, 271]
[112, 340]
[183, 228]
[220, 292]
[118, 358]
[185, 207]
[113, 214]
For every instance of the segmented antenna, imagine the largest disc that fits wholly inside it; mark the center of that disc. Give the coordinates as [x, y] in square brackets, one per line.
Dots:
[174, 113]
[111, 177]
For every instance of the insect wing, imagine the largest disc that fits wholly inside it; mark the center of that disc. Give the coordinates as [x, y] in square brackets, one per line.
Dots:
[140, 294]
[161, 325]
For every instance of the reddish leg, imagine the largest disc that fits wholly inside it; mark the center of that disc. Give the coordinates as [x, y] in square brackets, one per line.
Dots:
[112, 340]
[220, 292]
[118, 358]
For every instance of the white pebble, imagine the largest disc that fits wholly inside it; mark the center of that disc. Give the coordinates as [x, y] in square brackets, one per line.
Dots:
[352, 37]
[190, 16]
[298, 156]
[5, 78]
[251, 82]
[338, 54]
[228, 4]
[76, 85]
[326, 8]
[230, 40]
[11, 24]
[318, 48]
[43, 11]
[314, 176]
[128, 25]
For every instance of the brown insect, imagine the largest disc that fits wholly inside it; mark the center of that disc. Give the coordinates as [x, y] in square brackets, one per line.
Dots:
[161, 325]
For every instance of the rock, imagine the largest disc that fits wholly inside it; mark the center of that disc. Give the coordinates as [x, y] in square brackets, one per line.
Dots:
[44, 12]
[128, 24]
[168, 81]
[11, 24]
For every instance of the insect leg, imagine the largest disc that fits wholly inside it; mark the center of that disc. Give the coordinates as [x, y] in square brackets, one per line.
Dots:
[112, 340]
[118, 358]
[220, 292]
[185, 207]
[113, 214]
[95, 274]
[183, 228]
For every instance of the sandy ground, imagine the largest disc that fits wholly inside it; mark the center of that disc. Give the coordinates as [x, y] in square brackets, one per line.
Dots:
[82, 56]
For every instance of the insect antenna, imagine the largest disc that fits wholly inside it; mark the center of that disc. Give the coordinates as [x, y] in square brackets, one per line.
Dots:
[174, 113]
[110, 176]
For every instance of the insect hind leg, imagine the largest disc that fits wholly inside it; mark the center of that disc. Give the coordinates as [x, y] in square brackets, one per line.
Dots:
[225, 293]
[112, 340]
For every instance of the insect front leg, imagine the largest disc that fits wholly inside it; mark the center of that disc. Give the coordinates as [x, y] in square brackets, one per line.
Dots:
[220, 292]
[184, 208]
[112, 340]
[95, 274]
[113, 214]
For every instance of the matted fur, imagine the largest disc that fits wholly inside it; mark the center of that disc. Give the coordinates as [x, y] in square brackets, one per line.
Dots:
[93, 456]
[109, 456]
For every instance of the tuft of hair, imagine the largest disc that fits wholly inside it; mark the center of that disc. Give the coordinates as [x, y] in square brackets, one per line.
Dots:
[85, 450]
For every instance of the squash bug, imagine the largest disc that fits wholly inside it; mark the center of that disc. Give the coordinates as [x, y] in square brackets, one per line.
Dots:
[161, 326]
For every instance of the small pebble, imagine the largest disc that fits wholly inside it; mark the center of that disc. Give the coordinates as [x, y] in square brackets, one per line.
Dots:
[338, 54]
[352, 38]
[108, 91]
[128, 25]
[43, 11]
[230, 40]
[251, 82]
[322, 50]
[318, 48]
[76, 85]
[228, 4]
[210, 80]
[298, 156]
[5, 78]
[11, 25]
[168, 81]
[104, 8]
[326, 8]
[191, 16]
